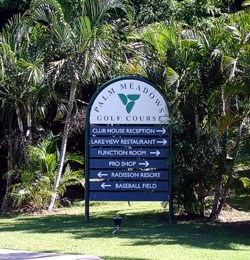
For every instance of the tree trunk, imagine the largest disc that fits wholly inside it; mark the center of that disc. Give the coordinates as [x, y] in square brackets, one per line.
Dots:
[19, 119]
[222, 159]
[231, 167]
[64, 142]
[29, 122]
[14, 148]
[5, 205]
[224, 195]
[222, 170]
[216, 198]
[201, 197]
[201, 193]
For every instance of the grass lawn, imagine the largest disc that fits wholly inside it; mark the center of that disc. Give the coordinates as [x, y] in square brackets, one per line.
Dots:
[145, 234]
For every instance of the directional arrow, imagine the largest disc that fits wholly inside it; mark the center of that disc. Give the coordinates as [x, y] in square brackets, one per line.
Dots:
[146, 164]
[140, 153]
[126, 141]
[104, 185]
[102, 164]
[101, 175]
[127, 131]
[163, 142]
[131, 175]
[162, 131]
[129, 186]
[156, 153]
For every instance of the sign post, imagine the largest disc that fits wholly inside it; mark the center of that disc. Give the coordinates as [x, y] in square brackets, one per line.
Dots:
[128, 144]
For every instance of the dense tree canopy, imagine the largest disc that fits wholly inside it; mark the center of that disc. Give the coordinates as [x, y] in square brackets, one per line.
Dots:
[8, 8]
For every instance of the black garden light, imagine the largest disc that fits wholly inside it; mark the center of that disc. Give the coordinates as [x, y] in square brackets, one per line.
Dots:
[117, 223]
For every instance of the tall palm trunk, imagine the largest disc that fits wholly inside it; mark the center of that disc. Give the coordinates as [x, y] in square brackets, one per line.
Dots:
[221, 171]
[201, 193]
[19, 120]
[221, 199]
[5, 205]
[64, 140]
[29, 122]
[13, 147]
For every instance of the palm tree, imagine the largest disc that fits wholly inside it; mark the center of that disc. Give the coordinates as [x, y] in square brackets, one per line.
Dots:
[201, 91]
[82, 48]
[235, 96]
[37, 175]
[21, 83]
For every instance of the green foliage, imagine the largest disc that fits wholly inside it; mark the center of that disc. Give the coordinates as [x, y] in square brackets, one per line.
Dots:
[16, 4]
[186, 11]
[147, 12]
[245, 181]
[196, 51]
[206, 97]
[36, 178]
[10, 7]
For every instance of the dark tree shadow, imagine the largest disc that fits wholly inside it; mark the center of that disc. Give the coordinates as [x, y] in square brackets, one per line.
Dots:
[149, 228]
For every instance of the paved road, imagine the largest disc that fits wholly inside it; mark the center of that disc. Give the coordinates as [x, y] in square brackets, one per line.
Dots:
[6, 254]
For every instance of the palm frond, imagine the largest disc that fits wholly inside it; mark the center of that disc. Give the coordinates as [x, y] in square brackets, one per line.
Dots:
[61, 111]
[246, 3]
[47, 4]
[171, 76]
[33, 70]
[235, 89]
[75, 158]
[97, 10]
[229, 119]
[229, 61]
[18, 194]
[51, 15]
[70, 178]
[161, 37]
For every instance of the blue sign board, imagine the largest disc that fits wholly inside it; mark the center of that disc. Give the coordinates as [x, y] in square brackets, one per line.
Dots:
[129, 196]
[128, 141]
[128, 186]
[126, 152]
[129, 175]
[133, 164]
[128, 131]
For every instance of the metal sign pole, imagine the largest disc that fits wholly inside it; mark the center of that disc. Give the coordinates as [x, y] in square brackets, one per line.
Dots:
[171, 202]
[87, 171]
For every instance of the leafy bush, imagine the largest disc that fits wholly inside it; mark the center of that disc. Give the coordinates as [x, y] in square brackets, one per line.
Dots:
[37, 176]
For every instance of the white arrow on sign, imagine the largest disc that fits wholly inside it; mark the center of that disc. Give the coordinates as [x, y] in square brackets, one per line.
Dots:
[163, 142]
[101, 175]
[104, 185]
[156, 153]
[162, 131]
[146, 164]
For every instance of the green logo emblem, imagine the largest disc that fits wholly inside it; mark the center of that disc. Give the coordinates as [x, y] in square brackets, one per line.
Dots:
[129, 101]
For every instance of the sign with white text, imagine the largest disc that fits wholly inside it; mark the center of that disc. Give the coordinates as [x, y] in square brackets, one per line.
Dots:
[129, 175]
[129, 185]
[131, 152]
[128, 143]
[129, 101]
[128, 130]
